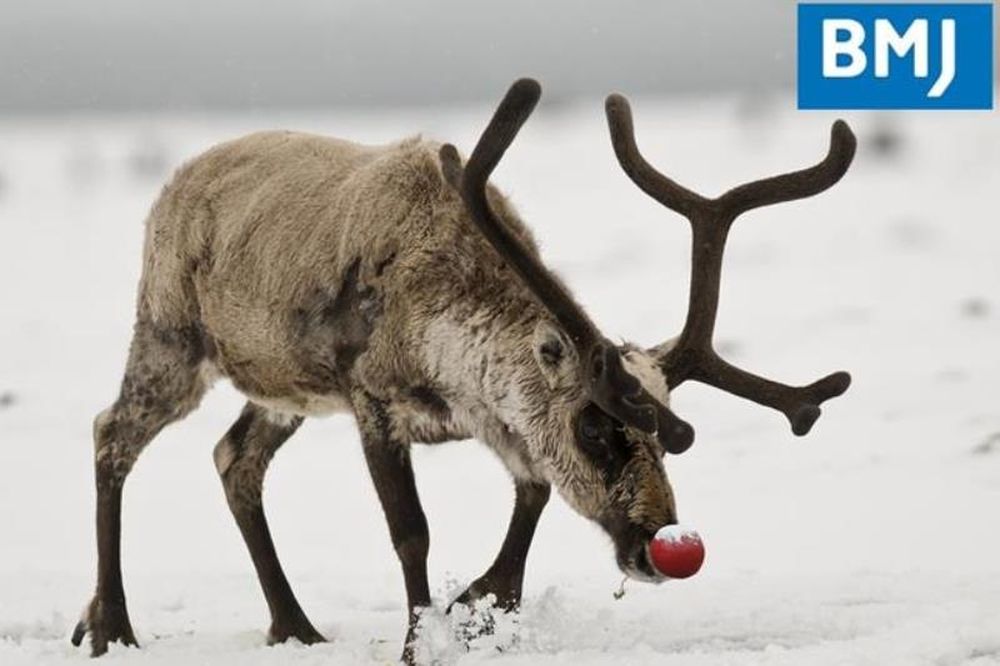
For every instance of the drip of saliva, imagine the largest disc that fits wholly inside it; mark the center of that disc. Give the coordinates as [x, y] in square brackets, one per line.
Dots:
[620, 592]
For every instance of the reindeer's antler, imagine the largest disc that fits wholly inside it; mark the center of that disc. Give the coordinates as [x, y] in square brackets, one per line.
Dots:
[470, 181]
[693, 356]
[610, 386]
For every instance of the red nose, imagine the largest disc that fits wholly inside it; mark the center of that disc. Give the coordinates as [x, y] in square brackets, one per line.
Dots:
[676, 551]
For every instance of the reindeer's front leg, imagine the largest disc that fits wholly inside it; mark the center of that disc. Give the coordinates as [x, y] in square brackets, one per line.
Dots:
[389, 464]
[505, 577]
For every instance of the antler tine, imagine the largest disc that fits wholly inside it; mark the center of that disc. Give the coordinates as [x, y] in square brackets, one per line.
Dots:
[799, 404]
[510, 115]
[797, 184]
[512, 112]
[668, 192]
[693, 356]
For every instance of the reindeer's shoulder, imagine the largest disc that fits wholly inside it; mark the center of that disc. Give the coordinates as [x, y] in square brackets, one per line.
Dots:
[408, 170]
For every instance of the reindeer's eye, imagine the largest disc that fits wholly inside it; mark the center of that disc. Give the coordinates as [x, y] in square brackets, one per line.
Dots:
[595, 433]
[603, 441]
[594, 446]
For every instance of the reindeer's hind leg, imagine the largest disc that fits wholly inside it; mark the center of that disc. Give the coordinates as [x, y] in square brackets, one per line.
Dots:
[162, 384]
[242, 457]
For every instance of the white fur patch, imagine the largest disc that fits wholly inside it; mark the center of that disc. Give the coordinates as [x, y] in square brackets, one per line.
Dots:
[223, 456]
[451, 355]
[280, 419]
[461, 359]
[208, 374]
[643, 367]
[280, 411]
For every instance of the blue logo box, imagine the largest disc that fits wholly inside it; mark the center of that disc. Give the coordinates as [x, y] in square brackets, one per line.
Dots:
[901, 56]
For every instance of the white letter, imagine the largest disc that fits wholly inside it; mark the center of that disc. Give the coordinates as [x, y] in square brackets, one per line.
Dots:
[851, 47]
[914, 38]
[947, 59]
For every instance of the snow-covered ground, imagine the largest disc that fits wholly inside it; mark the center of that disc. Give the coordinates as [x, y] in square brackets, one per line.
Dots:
[875, 540]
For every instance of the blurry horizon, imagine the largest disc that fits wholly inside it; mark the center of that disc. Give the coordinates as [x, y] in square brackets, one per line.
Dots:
[229, 55]
[116, 55]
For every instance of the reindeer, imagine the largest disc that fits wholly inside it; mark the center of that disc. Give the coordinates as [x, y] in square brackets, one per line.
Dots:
[394, 283]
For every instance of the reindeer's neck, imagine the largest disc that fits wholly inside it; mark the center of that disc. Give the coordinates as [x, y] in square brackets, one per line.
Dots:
[485, 362]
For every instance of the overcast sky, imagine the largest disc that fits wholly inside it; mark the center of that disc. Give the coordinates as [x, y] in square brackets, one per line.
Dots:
[58, 55]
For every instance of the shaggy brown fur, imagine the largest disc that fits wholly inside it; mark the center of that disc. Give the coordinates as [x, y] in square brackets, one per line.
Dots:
[320, 275]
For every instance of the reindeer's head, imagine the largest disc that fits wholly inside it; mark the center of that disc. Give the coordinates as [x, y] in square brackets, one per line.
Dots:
[612, 424]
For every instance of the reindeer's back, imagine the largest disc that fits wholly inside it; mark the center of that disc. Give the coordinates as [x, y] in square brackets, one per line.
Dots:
[282, 247]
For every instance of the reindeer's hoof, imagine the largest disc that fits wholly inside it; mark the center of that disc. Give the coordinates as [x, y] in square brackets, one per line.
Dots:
[506, 594]
[301, 630]
[106, 622]
[481, 620]
[409, 656]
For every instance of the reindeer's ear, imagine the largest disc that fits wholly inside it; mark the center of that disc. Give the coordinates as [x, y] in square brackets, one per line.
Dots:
[555, 355]
[451, 165]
